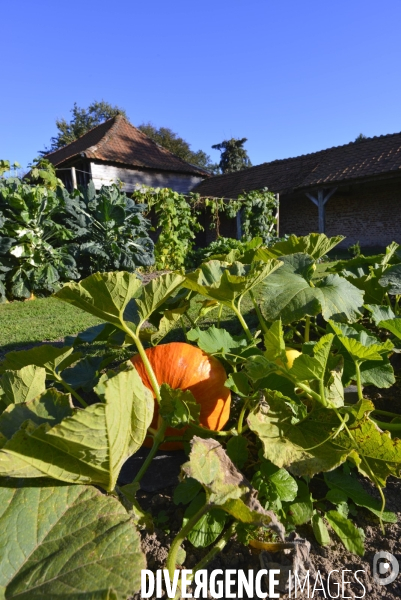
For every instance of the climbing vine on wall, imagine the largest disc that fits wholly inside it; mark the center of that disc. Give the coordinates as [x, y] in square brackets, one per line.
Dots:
[259, 215]
[178, 219]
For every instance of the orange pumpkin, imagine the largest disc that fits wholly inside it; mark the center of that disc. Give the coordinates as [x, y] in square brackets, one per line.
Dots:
[188, 368]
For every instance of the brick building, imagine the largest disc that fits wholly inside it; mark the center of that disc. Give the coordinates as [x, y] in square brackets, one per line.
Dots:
[353, 190]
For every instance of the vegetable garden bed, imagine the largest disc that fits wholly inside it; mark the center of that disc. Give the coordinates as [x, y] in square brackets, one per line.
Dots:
[294, 456]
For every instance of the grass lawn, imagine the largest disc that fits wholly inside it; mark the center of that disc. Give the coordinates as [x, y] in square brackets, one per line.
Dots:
[38, 320]
[48, 319]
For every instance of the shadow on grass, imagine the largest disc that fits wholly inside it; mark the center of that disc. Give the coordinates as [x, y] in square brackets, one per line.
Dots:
[231, 324]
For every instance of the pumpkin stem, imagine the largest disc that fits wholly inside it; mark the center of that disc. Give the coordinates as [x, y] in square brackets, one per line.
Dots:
[262, 322]
[71, 391]
[241, 416]
[157, 440]
[243, 322]
[180, 537]
[307, 328]
[149, 370]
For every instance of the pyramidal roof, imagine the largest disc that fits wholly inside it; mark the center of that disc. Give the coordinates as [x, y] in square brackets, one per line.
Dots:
[117, 141]
[371, 157]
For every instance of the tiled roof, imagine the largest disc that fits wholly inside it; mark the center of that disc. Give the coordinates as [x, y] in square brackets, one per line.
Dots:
[341, 164]
[117, 141]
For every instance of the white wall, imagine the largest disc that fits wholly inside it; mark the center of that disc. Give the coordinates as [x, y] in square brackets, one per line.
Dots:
[105, 175]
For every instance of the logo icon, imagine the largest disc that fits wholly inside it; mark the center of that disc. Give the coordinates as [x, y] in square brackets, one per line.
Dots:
[385, 564]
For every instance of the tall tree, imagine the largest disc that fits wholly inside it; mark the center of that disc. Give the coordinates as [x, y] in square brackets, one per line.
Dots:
[82, 120]
[233, 157]
[176, 144]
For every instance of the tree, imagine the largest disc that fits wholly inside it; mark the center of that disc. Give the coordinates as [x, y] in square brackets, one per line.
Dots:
[83, 119]
[168, 139]
[233, 157]
[361, 137]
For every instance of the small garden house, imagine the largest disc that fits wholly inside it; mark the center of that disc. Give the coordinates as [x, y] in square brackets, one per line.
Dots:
[116, 150]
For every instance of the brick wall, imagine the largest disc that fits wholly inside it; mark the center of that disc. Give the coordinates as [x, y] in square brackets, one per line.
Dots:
[369, 213]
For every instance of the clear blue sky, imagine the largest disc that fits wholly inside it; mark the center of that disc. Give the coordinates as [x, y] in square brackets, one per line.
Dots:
[292, 76]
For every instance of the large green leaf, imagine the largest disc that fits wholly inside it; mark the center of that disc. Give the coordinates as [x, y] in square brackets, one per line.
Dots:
[153, 295]
[274, 342]
[314, 244]
[223, 282]
[50, 408]
[300, 447]
[360, 345]
[52, 359]
[393, 325]
[289, 293]
[214, 340]
[23, 385]
[373, 291]
[66, 542]
[91, 445]
[104, 295]
[391, 279]
[308, 368]
[341, 300]
[318, 443]
[374, 450]
[380, 313]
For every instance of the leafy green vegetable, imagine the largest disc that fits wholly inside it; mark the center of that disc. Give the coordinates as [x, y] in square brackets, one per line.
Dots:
[110, 230]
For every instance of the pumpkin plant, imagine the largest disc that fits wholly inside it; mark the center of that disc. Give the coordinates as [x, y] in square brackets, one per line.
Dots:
[264, 410]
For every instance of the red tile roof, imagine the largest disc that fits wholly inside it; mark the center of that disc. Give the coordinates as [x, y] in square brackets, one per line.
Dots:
[117, 141]
[342, 164]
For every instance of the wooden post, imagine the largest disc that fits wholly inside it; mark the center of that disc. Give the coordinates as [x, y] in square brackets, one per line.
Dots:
[239, 226]
[278, 215]
[320, 202]
[74, 178]
[322, 211]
